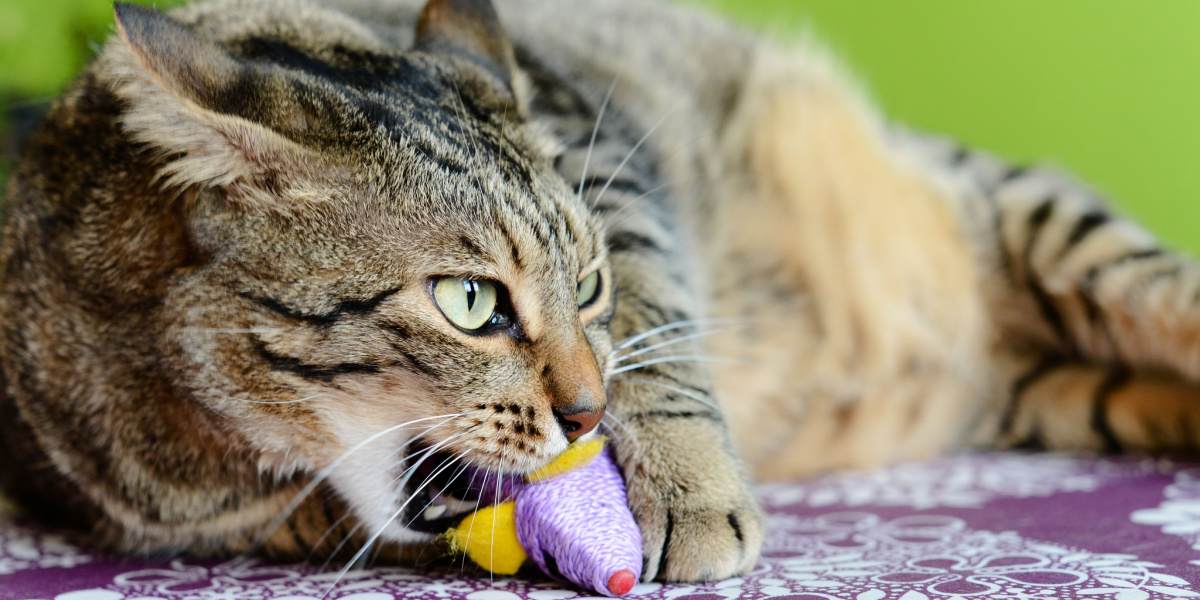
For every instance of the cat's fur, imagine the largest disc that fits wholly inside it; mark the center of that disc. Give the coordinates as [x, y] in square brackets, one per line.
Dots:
[217, 252]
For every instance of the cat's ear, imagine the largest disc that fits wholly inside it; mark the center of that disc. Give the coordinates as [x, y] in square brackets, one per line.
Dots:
[194, 101]
[185, 63]
[471, 30]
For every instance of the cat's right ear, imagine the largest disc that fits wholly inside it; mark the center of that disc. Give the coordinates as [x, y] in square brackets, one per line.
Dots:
[470, 30]
[192, 99]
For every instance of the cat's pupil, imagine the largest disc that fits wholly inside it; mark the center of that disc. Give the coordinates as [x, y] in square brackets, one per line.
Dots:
[471, 288]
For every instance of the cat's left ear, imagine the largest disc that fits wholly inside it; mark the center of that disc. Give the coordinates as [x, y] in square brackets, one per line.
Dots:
[470, 30]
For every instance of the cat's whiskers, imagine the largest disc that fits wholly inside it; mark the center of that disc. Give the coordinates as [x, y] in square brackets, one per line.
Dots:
[397, 488]
[611, 220]
[455, 478]
[676, 358]
[325, 535]
[379, 532]
[688, 393]
[492, 545]
[462, 114]
[462, 469]
[672, 326]
[478, 502]
[587, 160]
[626, 432]
[632, 151]
[615, 358]
[324, 473]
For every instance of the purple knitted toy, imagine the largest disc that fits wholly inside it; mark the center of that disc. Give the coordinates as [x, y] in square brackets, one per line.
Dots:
[571, 519]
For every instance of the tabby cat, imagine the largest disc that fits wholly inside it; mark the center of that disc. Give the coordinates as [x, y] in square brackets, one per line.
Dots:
[279, 274]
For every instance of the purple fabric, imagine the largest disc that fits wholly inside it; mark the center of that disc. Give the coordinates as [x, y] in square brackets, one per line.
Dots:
[581, 521]
[1002, 526]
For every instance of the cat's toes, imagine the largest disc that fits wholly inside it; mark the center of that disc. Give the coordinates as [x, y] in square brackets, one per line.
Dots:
[700, 544]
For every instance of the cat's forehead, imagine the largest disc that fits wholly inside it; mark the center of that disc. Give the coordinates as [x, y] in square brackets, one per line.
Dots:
[502, 230]
[411, 150]
[338, 85]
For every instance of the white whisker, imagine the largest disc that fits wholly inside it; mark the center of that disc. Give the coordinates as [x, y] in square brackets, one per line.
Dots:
[492, 545]
[634, 339]
[329, 530]
[627, 433]
[398, 490]
[671, 342]
[587, 160]
[462, 469]
[689, 393]
[379, 533]
[611, 221]
[324, 474]
[676, 358]
[478, 501]
[633, 151]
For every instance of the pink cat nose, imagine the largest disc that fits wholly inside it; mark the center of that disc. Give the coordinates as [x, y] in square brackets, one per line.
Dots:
[579, 418]
[576, 388]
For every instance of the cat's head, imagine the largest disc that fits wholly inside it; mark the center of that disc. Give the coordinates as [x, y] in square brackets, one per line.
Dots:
[386, 265]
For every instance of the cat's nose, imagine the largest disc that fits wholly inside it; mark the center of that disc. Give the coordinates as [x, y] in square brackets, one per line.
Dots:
[580, 417]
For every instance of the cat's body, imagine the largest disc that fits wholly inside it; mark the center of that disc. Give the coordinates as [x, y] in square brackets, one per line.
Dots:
[222, 253]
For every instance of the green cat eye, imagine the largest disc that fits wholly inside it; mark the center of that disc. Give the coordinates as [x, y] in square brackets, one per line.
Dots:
[469, 304]
[587, 289]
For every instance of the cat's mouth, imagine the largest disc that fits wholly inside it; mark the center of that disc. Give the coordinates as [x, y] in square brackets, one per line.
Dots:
[443, 489]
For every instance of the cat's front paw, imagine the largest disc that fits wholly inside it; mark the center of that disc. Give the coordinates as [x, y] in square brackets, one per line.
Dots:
[700, 533]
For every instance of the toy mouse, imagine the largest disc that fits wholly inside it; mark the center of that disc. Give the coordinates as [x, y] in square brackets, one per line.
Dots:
[571, 518]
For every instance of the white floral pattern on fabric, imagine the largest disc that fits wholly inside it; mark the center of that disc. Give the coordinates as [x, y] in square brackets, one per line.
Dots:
[846, 555]
[22, 549]
[959, 482]
[871, 546]
[1179, 512]
[862, 556]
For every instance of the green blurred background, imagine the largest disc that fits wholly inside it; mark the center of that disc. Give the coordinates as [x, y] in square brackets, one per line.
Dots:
[1107, 88]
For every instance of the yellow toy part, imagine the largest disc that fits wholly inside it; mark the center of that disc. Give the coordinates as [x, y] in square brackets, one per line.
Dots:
[489, 537]
[576, 455]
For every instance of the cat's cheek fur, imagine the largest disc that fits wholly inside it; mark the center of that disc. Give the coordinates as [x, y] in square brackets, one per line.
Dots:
[365, 423]
[373, 492]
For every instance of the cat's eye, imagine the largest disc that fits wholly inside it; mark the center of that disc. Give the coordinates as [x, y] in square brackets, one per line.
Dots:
[470, 304]
[588, 289]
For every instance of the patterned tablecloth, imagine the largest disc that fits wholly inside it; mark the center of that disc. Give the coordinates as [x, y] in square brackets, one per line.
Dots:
[1000, 526]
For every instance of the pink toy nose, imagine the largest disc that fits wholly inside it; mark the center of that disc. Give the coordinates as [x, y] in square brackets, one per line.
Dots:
[621, 582]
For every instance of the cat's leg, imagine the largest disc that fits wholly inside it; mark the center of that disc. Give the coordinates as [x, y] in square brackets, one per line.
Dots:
[1098, 326]
[1052, 402]
[687, 488]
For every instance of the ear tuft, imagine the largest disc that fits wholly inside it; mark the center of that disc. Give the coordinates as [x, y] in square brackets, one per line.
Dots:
[468, 29]
[181, 60]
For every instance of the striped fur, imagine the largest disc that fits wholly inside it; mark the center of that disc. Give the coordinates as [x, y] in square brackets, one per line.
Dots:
[218, 333]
